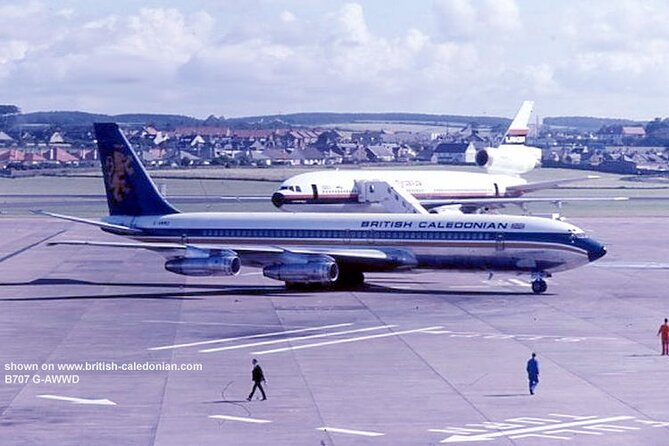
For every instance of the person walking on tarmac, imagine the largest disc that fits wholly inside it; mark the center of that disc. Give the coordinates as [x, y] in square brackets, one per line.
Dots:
[258, 377]
[533, 372]
[664, 332]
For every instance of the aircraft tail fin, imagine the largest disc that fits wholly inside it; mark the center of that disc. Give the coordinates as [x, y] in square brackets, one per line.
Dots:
[518, 130]
[130, 190]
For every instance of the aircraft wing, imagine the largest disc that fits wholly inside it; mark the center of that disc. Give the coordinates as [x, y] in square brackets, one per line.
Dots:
[261, 255]
[541, 185]
[476, 203]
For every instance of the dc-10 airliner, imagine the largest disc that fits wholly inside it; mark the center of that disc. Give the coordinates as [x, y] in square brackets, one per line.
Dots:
[318, 248]
[439, 191]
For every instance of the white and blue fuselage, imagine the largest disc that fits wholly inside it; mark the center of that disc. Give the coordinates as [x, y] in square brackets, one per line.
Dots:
[456, 242]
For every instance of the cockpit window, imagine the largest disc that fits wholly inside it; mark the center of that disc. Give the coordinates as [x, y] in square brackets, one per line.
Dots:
[298, 189]
[576, 234]
[283, 188]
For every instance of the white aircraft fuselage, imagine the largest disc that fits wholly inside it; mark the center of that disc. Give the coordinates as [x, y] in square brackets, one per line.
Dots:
[339, 191]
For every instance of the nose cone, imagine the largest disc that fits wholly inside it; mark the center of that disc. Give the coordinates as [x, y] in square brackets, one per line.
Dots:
[596, 251]
[278, 199]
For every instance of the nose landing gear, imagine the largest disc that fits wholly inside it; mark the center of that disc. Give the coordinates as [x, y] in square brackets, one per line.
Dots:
[539, 285]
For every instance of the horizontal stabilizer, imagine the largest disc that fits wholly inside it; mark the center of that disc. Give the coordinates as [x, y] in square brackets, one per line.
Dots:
[110, 227]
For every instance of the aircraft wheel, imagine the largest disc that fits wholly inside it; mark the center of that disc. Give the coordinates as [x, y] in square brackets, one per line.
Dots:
[539, 286]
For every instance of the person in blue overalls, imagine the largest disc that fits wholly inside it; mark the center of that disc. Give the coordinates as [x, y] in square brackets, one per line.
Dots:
[533, 372]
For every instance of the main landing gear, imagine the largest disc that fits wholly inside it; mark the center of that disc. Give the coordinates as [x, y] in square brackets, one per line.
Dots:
[539, 285]
[347, 280]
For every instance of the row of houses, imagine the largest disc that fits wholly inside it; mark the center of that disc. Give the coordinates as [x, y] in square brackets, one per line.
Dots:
[619, 159]
[192, 146]
[206, 145]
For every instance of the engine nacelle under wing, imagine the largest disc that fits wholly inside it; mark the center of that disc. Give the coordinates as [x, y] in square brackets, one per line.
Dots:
[309, 272]
[216, 265]
[511, 160]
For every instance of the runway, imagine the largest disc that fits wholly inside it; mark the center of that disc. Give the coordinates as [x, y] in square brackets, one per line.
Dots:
[103, 346]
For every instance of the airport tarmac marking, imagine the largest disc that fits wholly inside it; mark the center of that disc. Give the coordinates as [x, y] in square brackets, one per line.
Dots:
[349, 431]
[518, 337]
[344, 341]
[298, 338]
[30, 246]
[74, 400]
[261, 335]
[240, 419]
[554, 427]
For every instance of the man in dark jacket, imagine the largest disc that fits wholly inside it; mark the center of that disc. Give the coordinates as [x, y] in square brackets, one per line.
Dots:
[533, 372]
[258, 378]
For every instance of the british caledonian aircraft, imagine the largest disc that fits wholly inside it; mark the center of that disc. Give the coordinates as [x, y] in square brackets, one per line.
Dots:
[435, 190]
[322, 248]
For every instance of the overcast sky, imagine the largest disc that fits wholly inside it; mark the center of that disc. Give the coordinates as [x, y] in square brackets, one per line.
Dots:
[606, 58]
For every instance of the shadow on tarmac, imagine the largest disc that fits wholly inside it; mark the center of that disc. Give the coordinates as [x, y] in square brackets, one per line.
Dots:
[195, 291]
[225, 402]
[506, 395]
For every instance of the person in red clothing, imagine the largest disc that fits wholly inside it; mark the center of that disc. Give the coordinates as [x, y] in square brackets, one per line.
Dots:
[664, 331]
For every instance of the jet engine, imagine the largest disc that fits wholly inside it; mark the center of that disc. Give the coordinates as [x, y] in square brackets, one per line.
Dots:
[309, 272]
[510, 160]
[215, 265]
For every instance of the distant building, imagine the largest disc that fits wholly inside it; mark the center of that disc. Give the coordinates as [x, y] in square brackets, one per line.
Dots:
[637, 131]
[309, 156]
[454, 153]
[5, 139]
[61, 155]
[381, 153]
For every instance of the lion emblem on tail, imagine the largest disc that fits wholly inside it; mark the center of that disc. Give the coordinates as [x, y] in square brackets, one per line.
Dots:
[118, 168]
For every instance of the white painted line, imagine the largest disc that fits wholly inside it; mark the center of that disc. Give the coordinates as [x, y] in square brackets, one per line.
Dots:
[612, 428]
[349, 431]
[298, 338]
[544, 436]
[261, 335]
[74, 400]
[242, 419]
[573, 417]
[344, 341]
[574, 431]
[547, 428]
